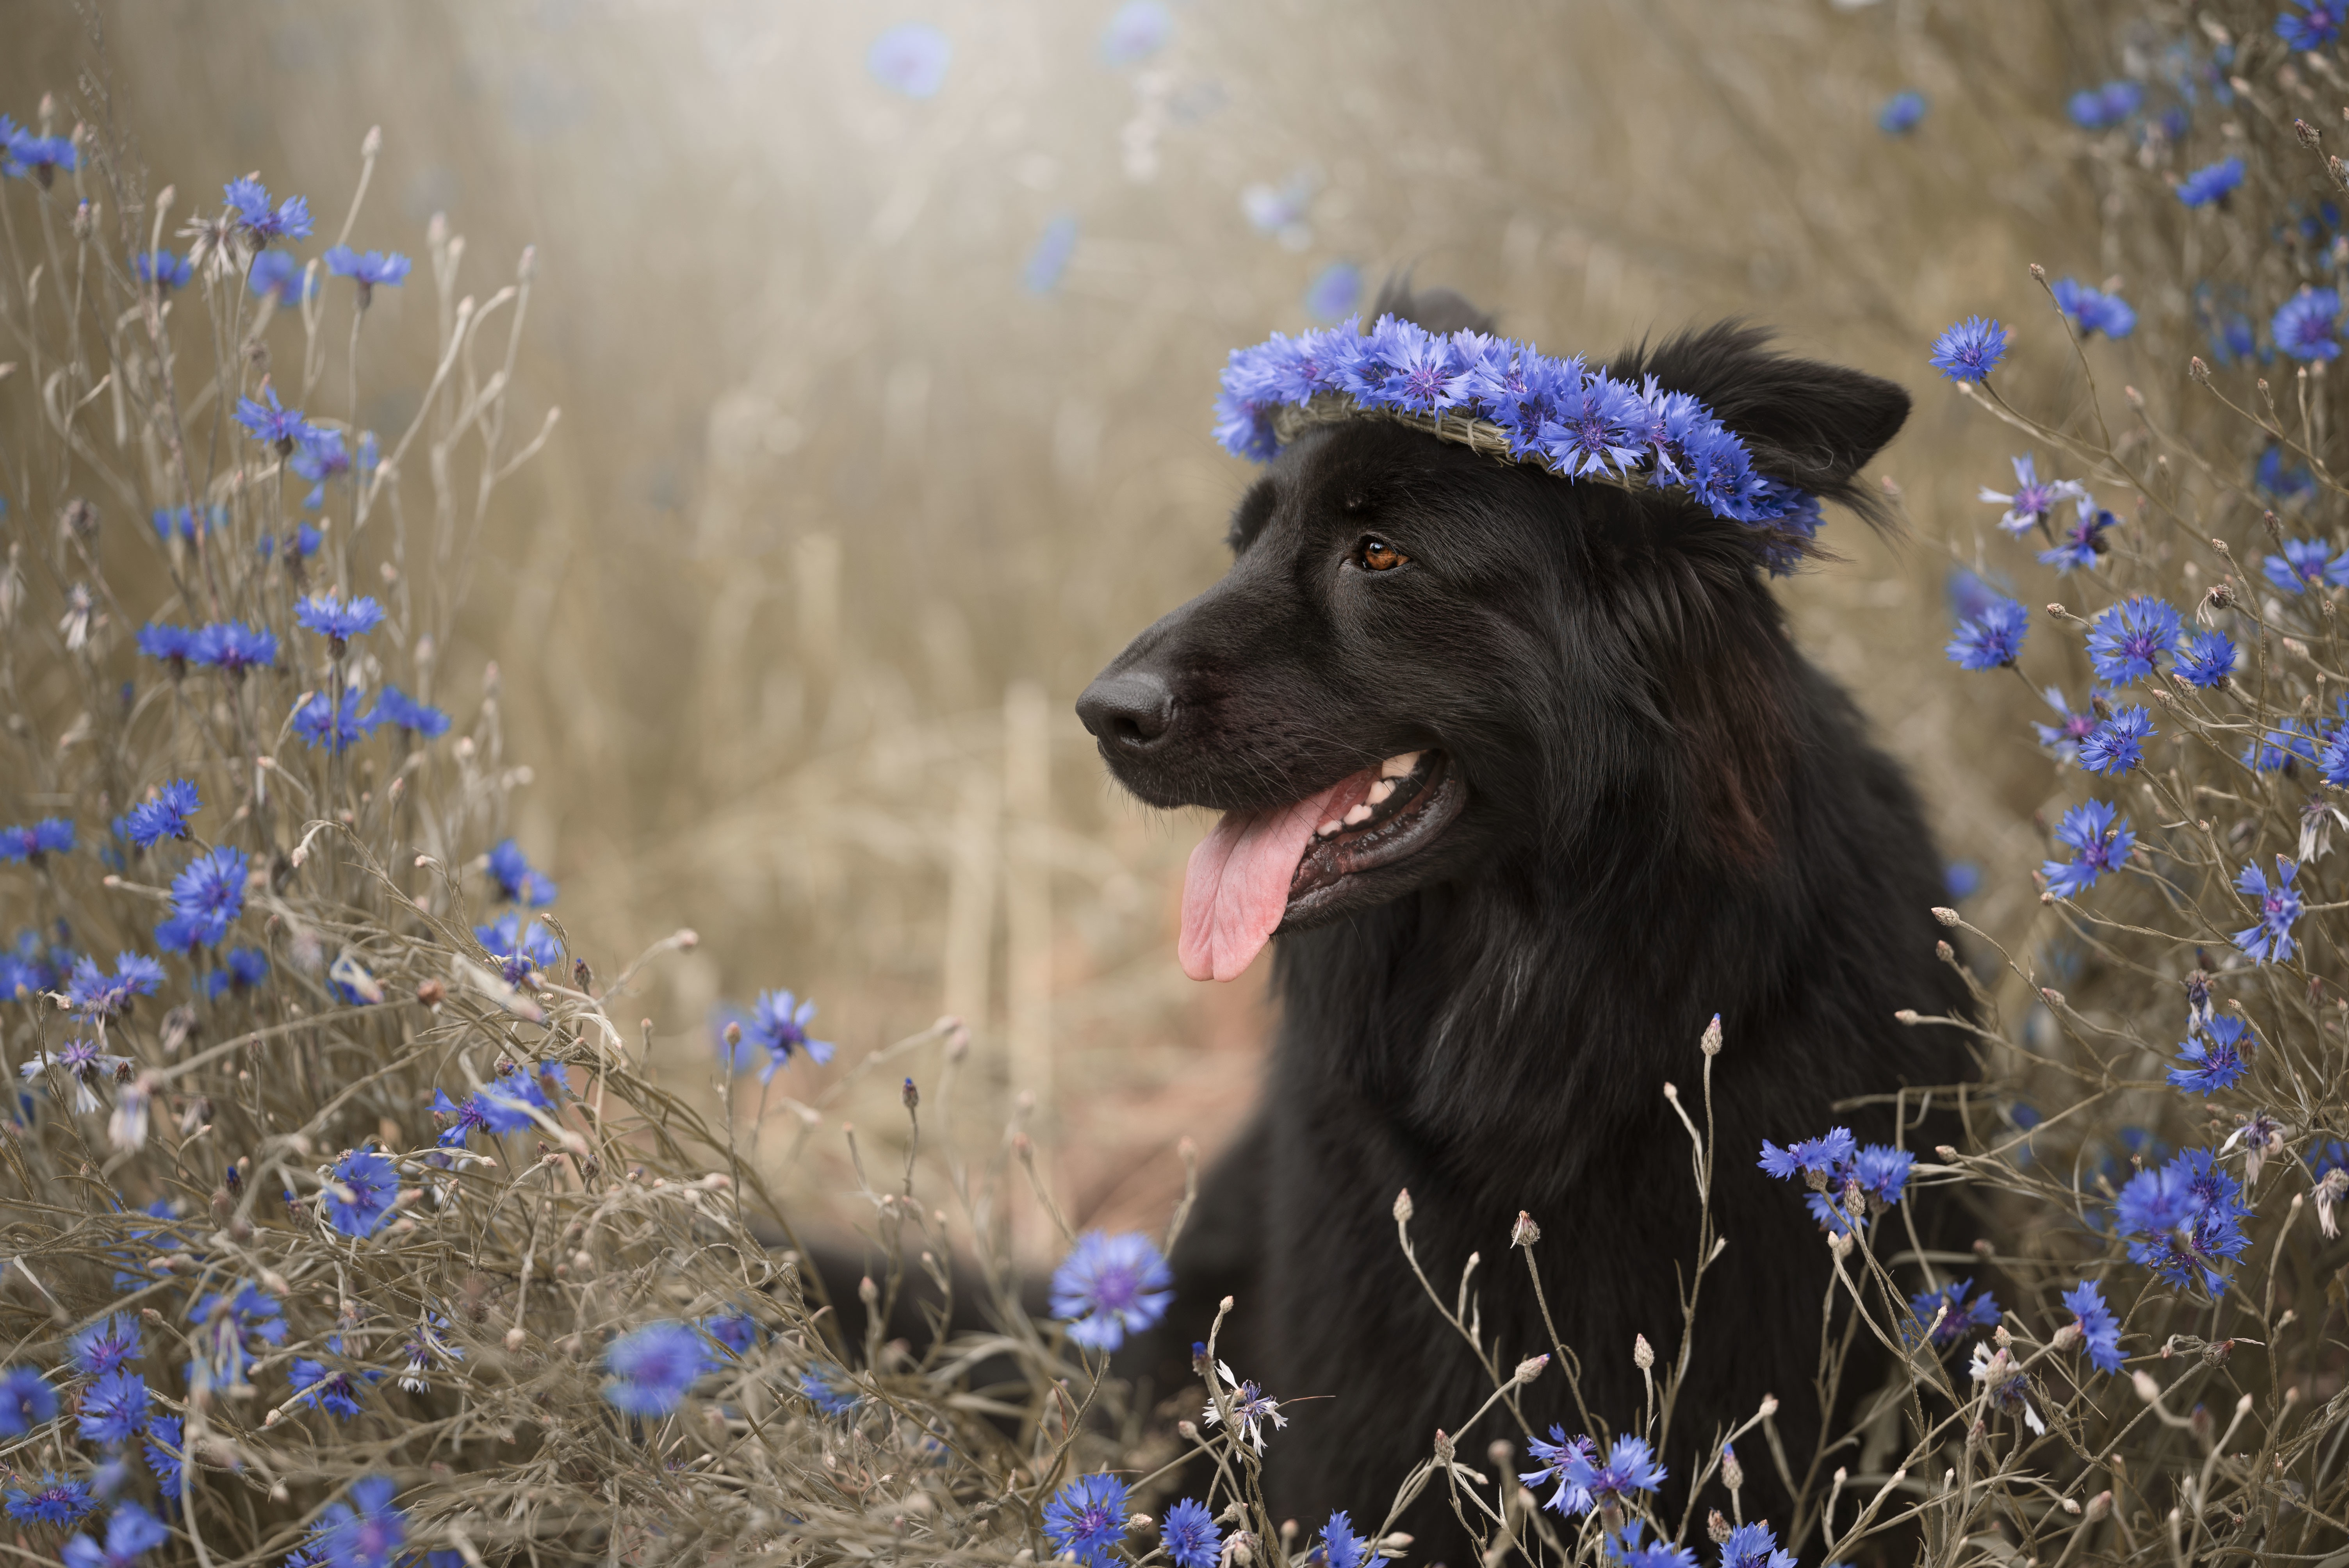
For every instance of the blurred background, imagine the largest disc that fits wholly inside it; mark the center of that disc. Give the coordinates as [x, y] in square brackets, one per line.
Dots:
[885, 337]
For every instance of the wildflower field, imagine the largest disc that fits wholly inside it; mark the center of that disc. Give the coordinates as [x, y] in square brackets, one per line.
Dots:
[387, 1178]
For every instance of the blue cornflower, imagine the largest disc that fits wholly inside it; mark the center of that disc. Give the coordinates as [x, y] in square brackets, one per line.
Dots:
[1628, 1549]
[2100, 1333]
[23, 153]
[1970, 350]
[210, 894]
[175, 646]
[2063, 737]
[1189, 1536]
[2102, 840]
[2313, 25]
[161, 268]
[366, 1532]
[2270, 941]
[92, 991]
[55, 1500]
[1593, 427]
[1882, 1171]
[227, 1330]
[1341, 1548]
[362, 1186]
[322, 456]
[2183, 1218]
[461, 1117]
[164, 814]
[1991, 639]
[2292, 741]
[130, 1533]
[1109, 1286]
[2205, 659]
[1087, 1517]
[517, 882]
[2082, 543]
[278, 274]
[2117, 745]
[248, 199]
[2028, 506]
[504, 1104]
[165, 1450]
[327, 614]
[187, 523]
[395, 706]
[2098, 108]
[736, 1331]
[49, 836]
[1334, 293]
[246, 968]
[1630, 1467]
[233, 647]
[2210, 182]
[2304, 324]
[652, 1368]
[334, 722]
[2126, 639]
[1967, 1312]
[1753, 1546]
[2305, 563]
[375, 269]
[911, 57]
[1818, 1157]
[779, 1022]
[2215, 1063]
[335, 1392]
[827, 1387]
[2269, 474]
[1900, 113]
[272, 421]
[2091, 310]
[114, 1409]
[517, 949]
[26, 1401]
[104, 1346]
[1557, 1455]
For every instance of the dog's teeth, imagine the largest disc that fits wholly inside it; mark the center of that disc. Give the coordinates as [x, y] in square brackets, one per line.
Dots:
[1381, 791]
[1325, 830]
[1401, 767]
[1361, 813]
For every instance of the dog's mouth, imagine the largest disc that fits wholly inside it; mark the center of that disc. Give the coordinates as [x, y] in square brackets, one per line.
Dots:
[1261, 870]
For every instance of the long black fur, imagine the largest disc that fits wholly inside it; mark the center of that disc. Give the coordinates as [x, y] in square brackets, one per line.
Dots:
[1671, 814]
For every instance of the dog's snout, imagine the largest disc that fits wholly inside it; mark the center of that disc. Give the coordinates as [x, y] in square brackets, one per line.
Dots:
[1131, 709]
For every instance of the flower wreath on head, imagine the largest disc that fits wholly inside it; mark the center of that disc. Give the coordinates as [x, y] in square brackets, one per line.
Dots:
[1510, 401]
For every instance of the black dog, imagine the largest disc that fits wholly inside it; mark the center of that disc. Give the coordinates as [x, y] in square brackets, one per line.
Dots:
[1618, 802]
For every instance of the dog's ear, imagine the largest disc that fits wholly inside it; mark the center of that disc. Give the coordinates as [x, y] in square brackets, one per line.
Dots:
[1813, 426]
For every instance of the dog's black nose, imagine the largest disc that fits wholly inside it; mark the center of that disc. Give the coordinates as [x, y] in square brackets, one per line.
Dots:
[1130, 708]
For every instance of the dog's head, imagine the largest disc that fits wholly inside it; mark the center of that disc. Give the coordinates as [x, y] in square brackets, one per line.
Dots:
[1423, 659]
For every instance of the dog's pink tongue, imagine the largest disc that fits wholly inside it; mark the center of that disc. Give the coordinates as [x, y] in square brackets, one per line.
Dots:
[1239, 881]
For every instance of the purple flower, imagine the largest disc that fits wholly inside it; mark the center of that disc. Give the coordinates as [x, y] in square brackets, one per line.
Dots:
[91, 991]
[517, 882]
[375, 269]
[210, 894]
[1627, 1548]
[653, 1367]
[49, 836]
[1630, 1467]
[517, 949]
[1882, 1171]
[2032, 501]
[736, 1331]
[1753, 1546]
[54, 1500]
[461, 1119]
[104, 1346]
[2306, 24]
[248, 199]
[2304, 324]
[2292, 741]
[363, 1186]
[2100, 1334]
[2305, 563]
[270, 420]
[2270, 941]
[2213, 1063]
[160, 269]
[779, 1022]
[235, 648]
[2063, 737]
[26, 1401]
[276, 273]
[1901, 113]
[2102, 840]
[2098, 108]
[2083, 541]
[2211, 182]
[366, 1532]
[1991, 639]
[396, 708]
[2205, 659]
[1966, 1313]
[1109, 1286]
[327, 614]
[2182, 1219]
[2126, 639]
[23, 153]
[2091, 311]
[826, 1387]
[1188, 1534]
[1087, 1517]
[1557, 1454]
[165, 1450]
[1334, 293]
[1970, 350]
[130, 1533]
[114, 1409]
[336, 1392]
[1593, 427]
[2117, 745]
[912, 58]
[333, 721]
[175, 646]
[1818, 1157]
[1341, 1548]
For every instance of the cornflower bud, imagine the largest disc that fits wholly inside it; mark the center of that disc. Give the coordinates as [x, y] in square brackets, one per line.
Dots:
[1532, 1366]
[1527, 1233]
[1643, 1354]
[1717, 1527]
[1710, 1043]
[1732, 1474]
[1403, 1206]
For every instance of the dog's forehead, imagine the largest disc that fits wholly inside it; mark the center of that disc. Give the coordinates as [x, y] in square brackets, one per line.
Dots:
[1348, 469]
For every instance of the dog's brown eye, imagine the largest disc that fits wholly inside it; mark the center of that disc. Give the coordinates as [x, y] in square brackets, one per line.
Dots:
[1378, 555]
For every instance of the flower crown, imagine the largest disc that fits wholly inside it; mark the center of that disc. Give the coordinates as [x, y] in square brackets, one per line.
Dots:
[1509, 401]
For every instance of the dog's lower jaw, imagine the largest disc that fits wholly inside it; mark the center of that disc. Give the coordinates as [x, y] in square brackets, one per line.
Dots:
[1360, 877]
